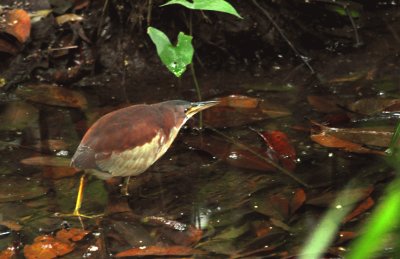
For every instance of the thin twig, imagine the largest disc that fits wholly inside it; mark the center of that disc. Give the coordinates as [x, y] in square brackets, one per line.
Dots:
[193, 72]
[102, 18]
[345, 6]
[63, 48]
[280, 31]
[149, 9]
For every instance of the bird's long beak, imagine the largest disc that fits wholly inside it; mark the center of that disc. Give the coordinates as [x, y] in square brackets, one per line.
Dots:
[199, 106]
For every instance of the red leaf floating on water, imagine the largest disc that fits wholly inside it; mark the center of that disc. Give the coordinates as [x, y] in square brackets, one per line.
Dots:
[160, 251]
[279, 142]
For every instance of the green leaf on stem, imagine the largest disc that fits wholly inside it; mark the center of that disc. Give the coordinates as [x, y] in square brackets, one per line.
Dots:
[176, 58]
[208, 5]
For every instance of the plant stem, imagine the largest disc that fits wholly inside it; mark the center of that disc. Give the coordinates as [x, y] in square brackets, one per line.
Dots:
[196, 83]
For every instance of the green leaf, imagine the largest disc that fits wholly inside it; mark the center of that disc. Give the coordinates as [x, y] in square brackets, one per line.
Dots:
[342, 11]
[176, 58]
[209, 5]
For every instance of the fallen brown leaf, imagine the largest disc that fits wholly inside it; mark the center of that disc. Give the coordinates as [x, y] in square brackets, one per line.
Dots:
[18, 24]
[8, 253]
[45, 247]
[371, 136]
[160, 251]
[330, 141]
[73, 234]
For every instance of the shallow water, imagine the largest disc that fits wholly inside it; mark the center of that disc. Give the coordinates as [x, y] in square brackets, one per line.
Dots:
[218, 203]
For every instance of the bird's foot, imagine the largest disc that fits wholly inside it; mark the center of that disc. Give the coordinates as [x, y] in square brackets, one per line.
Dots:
[78, 214]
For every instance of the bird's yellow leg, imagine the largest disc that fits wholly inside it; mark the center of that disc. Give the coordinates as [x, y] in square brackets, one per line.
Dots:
[125, 186]
[78, 203]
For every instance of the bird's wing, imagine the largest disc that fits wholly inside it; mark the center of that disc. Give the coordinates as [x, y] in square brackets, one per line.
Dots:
[115, 133]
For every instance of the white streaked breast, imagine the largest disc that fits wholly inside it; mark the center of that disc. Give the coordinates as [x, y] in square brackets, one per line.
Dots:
[135, 161]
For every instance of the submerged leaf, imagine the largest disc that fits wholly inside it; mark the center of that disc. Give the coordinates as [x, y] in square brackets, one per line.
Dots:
[370, 106]
[159, 251]
[298, 200]
[361, 208]
[239, 101]
[231, 153]
[52, 95]
[325, 104]
[349, 196]
[47, 161]
[232, 232]
[13, 189]
[237, 110]
[9, 48]
[18, 116]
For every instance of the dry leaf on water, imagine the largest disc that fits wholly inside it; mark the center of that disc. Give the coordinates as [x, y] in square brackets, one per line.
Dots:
[51, 247]
[45, 247]
[160, 251]
[8, 253]
[351, 139]
[18, 24]
[72, 234]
